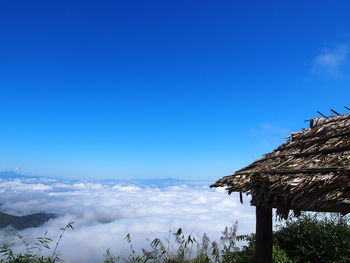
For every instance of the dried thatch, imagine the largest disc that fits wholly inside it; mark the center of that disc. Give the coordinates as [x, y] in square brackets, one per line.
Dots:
[311, 171]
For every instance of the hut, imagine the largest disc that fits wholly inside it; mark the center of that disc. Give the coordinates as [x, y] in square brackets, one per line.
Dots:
[309, 172]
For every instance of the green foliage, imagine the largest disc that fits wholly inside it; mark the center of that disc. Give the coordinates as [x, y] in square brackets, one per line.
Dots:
[33, 251]
[228, 241]
[109, 258]
[310, 239]
[279, 255]
[247, 251]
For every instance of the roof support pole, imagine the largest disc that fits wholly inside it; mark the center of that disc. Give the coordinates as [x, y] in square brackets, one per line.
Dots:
[263, 246]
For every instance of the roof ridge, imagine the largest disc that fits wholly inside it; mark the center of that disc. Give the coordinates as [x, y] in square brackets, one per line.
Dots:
[321, 120]
[304, 170]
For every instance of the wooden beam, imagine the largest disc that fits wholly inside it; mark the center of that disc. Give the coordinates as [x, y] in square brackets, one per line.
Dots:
[263, 246]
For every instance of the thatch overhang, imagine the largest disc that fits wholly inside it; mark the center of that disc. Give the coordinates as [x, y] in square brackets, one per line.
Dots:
[311, 171]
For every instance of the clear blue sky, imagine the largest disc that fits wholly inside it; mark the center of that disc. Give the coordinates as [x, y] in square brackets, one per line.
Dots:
[150, 89]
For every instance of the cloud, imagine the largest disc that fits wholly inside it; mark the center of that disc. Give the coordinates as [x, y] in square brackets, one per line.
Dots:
[330, 60]
[105, 212]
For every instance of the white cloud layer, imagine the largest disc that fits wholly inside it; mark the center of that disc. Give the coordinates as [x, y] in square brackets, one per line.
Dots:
[105, 212]
[330, 60]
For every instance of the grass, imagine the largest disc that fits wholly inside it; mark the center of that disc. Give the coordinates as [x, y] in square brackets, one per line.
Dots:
[307, 239]
[175, 249]
[33, 252]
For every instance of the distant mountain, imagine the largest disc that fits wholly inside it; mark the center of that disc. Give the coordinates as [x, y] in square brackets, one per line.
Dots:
[148, 182]
[161, 182]
[12, 175]
[157, 182]
[166, 182]
[22, 222]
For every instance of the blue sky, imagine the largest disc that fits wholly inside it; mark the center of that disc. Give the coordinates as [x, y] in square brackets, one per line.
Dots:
[151, 89]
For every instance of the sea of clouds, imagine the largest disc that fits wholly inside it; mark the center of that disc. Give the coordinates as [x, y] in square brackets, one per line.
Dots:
[104, 212]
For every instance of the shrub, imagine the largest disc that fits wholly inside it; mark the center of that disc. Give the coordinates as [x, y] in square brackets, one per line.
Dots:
[311, 239]
[279, 255]
[247, 251]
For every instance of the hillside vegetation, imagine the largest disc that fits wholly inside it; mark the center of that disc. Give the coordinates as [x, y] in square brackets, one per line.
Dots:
[22, 222]
[308, 239]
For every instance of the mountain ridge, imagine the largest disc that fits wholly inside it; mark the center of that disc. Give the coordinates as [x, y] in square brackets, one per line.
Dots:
[26, 221]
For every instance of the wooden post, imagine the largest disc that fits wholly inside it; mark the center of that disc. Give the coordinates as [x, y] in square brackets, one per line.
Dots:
[263, 246]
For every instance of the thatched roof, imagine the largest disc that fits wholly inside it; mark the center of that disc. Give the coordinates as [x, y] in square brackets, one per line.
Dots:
[311, 171]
